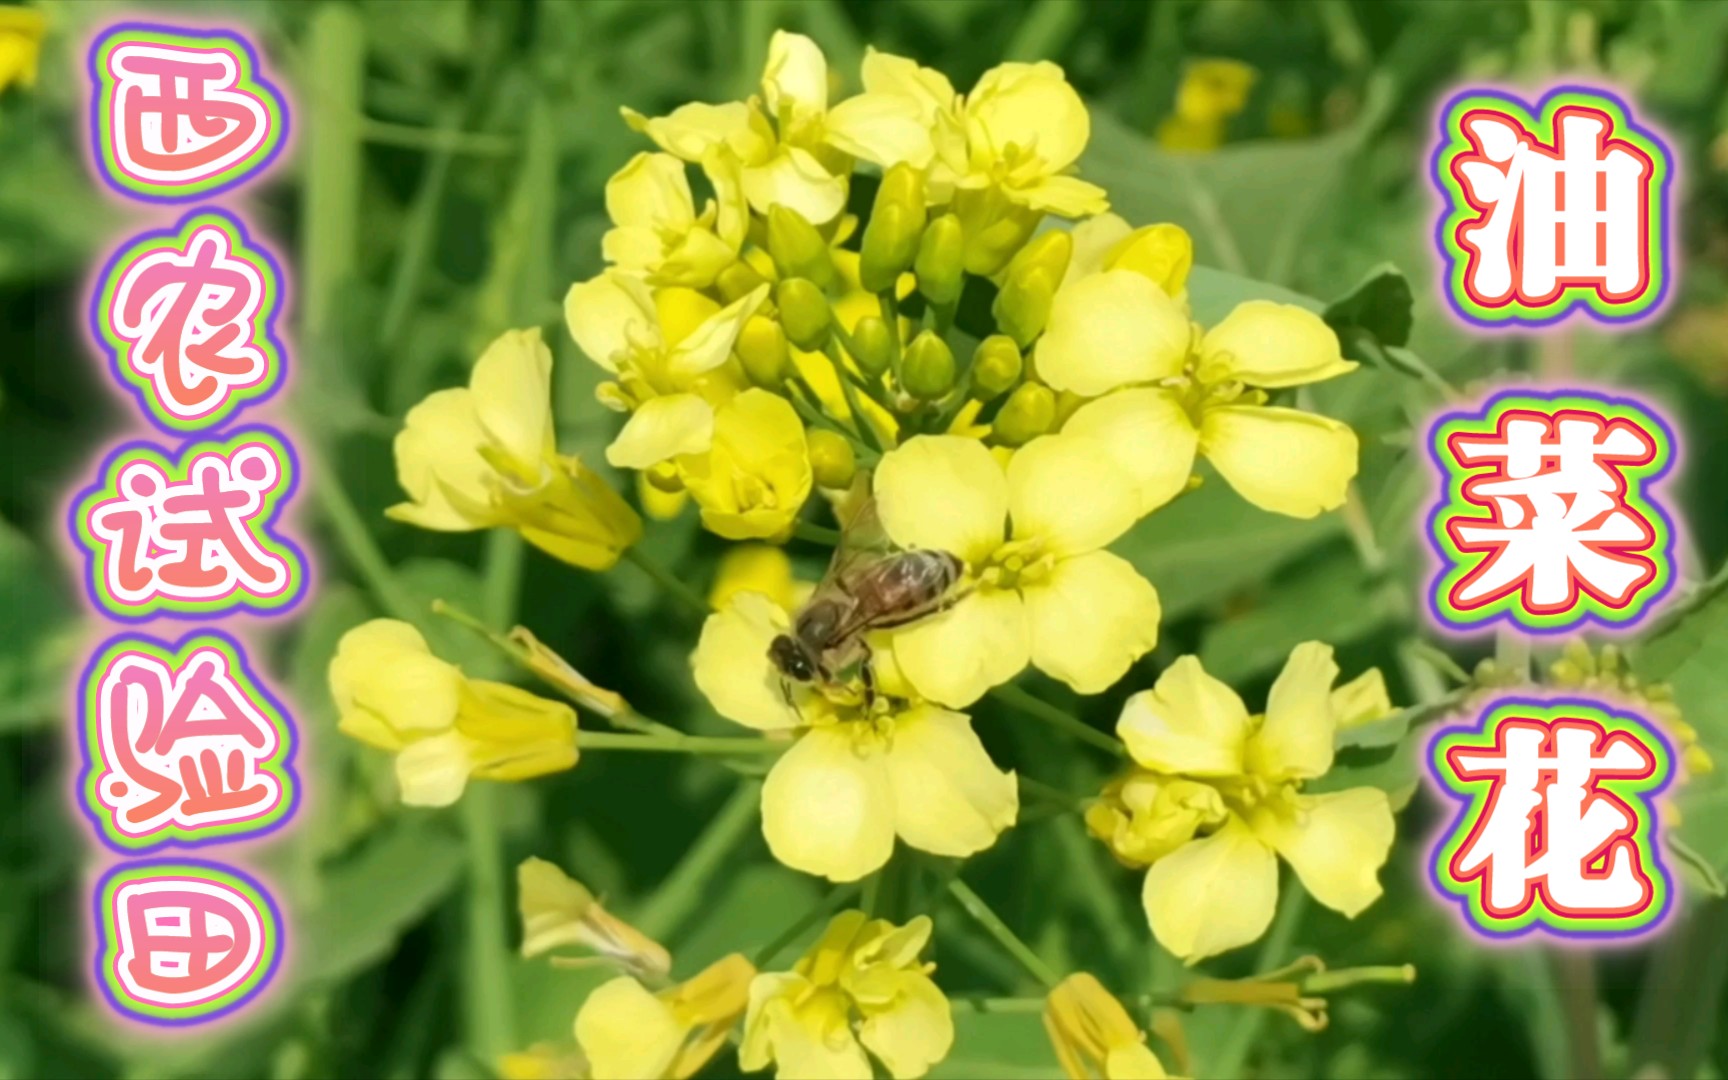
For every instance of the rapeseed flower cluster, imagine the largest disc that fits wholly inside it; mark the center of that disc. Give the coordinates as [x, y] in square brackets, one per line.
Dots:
[779, 323]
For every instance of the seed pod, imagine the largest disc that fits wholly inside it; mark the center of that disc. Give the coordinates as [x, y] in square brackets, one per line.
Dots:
[996, 367]
[804, 312]
[928, 368]
[941, 260]
[1027, 414]
[831, 459]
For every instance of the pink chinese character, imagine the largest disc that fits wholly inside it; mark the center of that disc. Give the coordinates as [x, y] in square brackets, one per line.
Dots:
[184, 941]
[185, 315]
[1550, 831]
[1576, 213]
[180, 746]
[192, 537]
[180, 115]
[1559, 520]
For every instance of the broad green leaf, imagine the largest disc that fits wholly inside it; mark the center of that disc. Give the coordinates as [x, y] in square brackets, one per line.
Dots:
[1333, 600]
[1380, 305]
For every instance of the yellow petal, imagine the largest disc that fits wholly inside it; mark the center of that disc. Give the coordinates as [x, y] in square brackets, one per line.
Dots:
[929, 89]
[663, 428]
[1094, 240]
[1064, 196]
[1163, 253]
[1032, 107]
[1188, 723]
[756, 1048]
[1044, 478]
[758, 568]
[812, 1041]
[914, 1032]
[383, 669]
[954, 657]
[1296, 738]
[1111, 329]
[512, 387]
[1148, 434]
[433, 771]
[1092, 618]
[949, 797]
[690, 131]
[513, 734]
[732, 667]
[651, 190]
[1263, 343]
[1336, 843]
[1362, 700]
[755, 479]
[438, 464]
[881, 129]
[707, 346]
[626, 1032]
[725, 175]
[943, 493]
[793, 178]
[1133, 1061]
[1212, 895]
[795, 77]
[600, 313]
[827, 808]
[1282, 460]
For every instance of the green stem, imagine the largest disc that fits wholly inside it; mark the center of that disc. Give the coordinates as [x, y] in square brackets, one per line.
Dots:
[1235, 1046]
[358, 546]
[837, 898]
[1017, 698]
[685, 889]
[438, 140]
[860, 419]
[664, 578]
[1049, 793]
[816, 534]
[678, 743]
[975, 906]
[486, 997]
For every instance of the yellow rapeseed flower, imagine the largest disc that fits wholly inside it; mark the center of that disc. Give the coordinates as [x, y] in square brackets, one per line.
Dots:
[1217, 891]
[1183, 394]
[753, 480]
[1094, 1037]
[1210, 93]
[558, 911]
[485, 455]
[21, 31]
[656, 230]
[1038, 586]
[759, 568]
[792, 148]
[443, 727]
[860, 988]
[671, 352]
[628, 1032]
[856, 777]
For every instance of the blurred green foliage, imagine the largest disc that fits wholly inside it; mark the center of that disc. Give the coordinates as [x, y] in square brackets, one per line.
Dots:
[444, 183]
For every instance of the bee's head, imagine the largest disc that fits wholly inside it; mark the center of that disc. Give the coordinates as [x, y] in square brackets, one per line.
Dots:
[792, 661]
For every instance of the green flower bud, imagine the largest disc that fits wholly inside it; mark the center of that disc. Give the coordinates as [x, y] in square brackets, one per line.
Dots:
[996, 367]
[797, 248]
[762, 347]
[831, 459]
[1023, 304]
[940, 264]
[804, 313]
[873, 345]
[896, 225]
[1027, 414]
[995, 244]
[738, 281]
[928, 369]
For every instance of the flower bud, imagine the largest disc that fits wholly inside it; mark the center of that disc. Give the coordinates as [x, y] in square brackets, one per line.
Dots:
[873, 345]
[831, 459]
[941, 260]
[1163, 253]
[1023, 305]
[896, 223]
[1027, 414]
[762, 347]
[928, 369]
[797, 249]
[995, 243]
[804, 313]
[738, 281]
[996, 367]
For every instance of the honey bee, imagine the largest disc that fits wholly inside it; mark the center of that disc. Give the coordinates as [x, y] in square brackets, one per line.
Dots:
[869, 585]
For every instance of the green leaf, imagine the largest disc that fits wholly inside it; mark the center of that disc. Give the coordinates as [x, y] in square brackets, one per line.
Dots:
[1011, 1046]
[1381, 304]
[1332, 600]
[39, 639]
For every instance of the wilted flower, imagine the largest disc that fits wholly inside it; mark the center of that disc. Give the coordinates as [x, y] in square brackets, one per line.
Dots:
[558, 911]
[443, 727]
[857, 776]
[860, 987]
[486, 455]
[628, 1032]
[1038, 585]
[1094, 1037]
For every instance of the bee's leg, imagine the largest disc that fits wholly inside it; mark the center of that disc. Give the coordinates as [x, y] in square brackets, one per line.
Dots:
[867, 676]
[786, 692]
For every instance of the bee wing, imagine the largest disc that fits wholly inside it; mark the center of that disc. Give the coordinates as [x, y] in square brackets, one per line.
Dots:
[863, 544]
